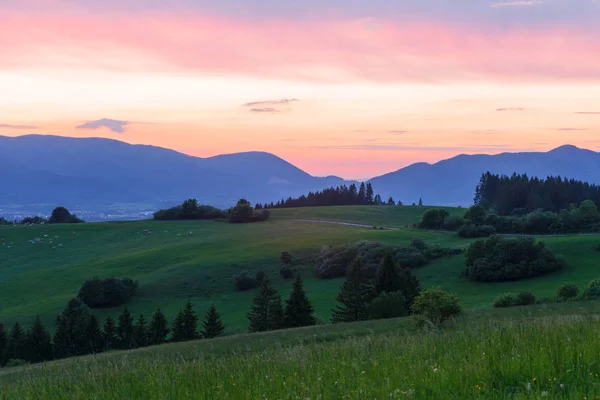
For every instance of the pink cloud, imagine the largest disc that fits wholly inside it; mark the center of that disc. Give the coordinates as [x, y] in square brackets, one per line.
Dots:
[336, 50]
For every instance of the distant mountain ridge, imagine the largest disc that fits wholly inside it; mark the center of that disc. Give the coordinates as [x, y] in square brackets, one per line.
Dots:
[453, 181]
[92, 173]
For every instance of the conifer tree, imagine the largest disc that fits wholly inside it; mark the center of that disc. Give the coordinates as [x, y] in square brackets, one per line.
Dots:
[190, 321]
[409, 286]
[158, 331]
[140, 333]
[178, 328]
[38, 342]
[70, 335]
[16, 343]
[125, 329]
[110, 334]
[94, 336]
[298, 310]
[355, 296]
[266, 312]
[420, 201]
[370, 193]
[212, 324]
[3, 346]
[362, 194]
[387, 279]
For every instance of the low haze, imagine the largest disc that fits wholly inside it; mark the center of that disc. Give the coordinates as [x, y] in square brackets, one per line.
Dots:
[351, 88]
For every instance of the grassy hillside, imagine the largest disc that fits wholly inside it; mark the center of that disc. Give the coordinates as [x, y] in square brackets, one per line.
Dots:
[387, 216]
[527, 352]
[173, 265]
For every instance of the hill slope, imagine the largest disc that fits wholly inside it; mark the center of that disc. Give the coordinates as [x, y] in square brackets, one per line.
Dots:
[453, 181]
[92, 172]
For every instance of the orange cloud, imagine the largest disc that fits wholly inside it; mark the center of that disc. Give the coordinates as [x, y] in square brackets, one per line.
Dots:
[336, 50]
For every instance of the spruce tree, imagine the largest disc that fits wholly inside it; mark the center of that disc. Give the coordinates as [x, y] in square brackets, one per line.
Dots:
[38, 342]
[110, 334]
[355, 296]
[298, 310]
[94, 336]
[190, 321]
[3, 346]
[16, 343]
[420, 201]
[362, 194]
[125, 329]
[369, 193]
[212, 324]
[409, 286]
[266, 312]
[140, 333]
[61, 340]
[387, 279]
[158, 331]
[178, 328]
[70, 335]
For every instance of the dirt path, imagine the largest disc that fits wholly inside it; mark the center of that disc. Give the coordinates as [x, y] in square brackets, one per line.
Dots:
[318, 221]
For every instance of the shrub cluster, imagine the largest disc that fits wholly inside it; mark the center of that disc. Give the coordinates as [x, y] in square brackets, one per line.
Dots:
[244, 213]
[333, 261]
[499, 259]
[244, 282]
[109, 292]
[566, 292]
[189, 209]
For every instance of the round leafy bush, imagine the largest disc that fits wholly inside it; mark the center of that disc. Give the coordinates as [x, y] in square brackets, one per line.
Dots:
[567, 291]
[476, 231]
[109, 292]
[505, 300]
[525, 299]
[436, 305]
[260, 276]
[388, 305]
[593, 290]
[243, 282]
[419, 244]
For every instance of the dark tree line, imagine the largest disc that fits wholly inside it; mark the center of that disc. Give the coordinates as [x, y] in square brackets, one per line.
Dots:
[78, 332]
[519, 194]
[334, 196]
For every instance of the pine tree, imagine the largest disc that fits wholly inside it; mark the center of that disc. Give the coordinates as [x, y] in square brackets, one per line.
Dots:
[16, 343]
[377, 200]
[355, 296]
[409, 286]
[391, 201]
[178, 328]
[94, 336]
[70, 335]
[298, 310]
[190, 320]
[38, 342]
[158, 331]
[125, 329]
[387, 279]
[110, 334]
[140, 333]
[266, 312]
[212, 324]
[369, 193]
[3, 346]
[362, 194]
[420, 201]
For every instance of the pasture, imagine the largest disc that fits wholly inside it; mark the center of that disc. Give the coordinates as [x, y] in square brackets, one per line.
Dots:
[197, 260]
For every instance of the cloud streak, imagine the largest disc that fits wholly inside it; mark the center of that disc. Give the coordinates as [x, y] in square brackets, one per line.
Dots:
[523, 3]
[269, 102]
[18, 127]
[265, 110]
[510, 109]
[111, 124]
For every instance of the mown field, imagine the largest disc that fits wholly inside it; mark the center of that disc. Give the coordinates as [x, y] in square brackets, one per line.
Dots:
[533, 352]
[197, 260]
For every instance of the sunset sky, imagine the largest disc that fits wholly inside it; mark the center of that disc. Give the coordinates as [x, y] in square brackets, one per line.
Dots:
[354, 88]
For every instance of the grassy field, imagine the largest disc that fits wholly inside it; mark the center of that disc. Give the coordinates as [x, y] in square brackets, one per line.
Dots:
[173, 265]
[527, 352]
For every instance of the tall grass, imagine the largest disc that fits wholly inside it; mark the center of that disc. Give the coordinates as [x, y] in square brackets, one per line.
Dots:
[546, 357]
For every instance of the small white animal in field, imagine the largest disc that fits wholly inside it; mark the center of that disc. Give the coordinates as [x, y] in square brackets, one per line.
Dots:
[60, 245]
[190, 233]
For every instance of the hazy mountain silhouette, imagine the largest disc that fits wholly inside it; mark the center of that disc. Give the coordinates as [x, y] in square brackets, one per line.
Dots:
[453, 181]
[92, 172]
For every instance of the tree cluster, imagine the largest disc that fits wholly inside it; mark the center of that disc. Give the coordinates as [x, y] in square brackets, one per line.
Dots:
[109, 292]
[78, 332]
[500, 258]
[519, 193]
[61, 215]
[334, 196]
[189, 209]
[390, 294]
[267, 313]
[244, 213]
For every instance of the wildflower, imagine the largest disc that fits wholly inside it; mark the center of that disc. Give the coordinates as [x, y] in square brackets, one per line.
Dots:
[545, 393]
[528, 386]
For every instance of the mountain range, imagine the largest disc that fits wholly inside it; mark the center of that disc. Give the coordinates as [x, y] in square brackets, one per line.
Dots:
[93, 173]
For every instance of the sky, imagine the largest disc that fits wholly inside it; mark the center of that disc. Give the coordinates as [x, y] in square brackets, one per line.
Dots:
[354, 88]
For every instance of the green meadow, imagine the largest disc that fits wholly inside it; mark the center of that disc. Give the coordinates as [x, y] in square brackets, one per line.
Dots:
[535, 352]
[197, 260]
